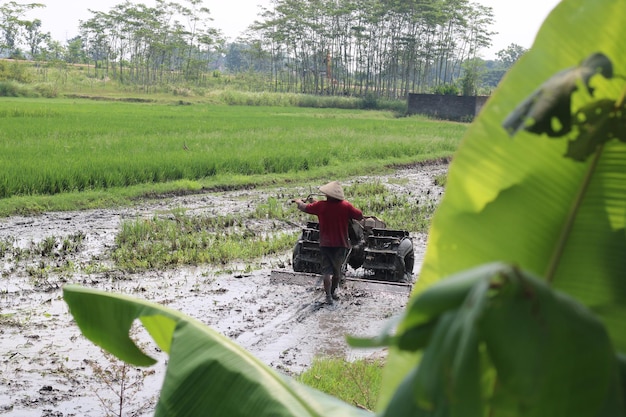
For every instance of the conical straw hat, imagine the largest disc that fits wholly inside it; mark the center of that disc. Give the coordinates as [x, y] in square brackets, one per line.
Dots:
[333, 189]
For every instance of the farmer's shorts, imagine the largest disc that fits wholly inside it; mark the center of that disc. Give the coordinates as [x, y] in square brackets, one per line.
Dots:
[332, 259]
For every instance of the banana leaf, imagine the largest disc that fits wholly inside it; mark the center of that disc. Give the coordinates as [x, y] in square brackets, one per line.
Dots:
[498, 341]
[207, 373]
[539, 180]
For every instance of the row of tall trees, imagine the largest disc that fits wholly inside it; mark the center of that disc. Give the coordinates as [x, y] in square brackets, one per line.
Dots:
[131, 42]
[389, 47]
[356, 47]
[151, 45]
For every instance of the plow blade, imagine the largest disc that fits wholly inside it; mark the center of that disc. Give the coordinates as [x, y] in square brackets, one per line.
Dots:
[315, 280]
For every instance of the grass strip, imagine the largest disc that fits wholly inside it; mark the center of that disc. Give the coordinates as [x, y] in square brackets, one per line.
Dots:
[357, 382]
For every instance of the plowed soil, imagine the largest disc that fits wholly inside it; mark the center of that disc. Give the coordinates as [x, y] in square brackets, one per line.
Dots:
[49, 369]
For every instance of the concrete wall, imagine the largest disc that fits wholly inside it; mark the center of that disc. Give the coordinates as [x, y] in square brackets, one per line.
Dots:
[459, 108]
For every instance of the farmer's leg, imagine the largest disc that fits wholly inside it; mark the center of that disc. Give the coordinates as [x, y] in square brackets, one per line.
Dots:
[327, 271]
[339, 257]
[327, 285]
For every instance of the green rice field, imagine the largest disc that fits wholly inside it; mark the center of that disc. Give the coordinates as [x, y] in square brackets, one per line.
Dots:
[48, 147]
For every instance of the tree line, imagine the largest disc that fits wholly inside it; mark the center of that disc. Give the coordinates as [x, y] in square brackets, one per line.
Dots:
[386, 48]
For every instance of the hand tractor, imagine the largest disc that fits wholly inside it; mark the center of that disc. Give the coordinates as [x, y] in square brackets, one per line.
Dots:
[383, 254]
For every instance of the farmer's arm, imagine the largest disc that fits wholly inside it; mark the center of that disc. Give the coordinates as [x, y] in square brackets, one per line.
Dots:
[309, 206]
[355, 213]
[301, 204]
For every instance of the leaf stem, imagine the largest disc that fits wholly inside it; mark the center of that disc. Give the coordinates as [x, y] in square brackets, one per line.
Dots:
[571, 217]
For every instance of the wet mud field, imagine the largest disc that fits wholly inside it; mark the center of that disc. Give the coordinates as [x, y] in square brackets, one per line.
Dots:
[47, 368]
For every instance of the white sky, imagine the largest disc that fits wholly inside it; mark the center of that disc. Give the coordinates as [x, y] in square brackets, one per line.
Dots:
[517, 21]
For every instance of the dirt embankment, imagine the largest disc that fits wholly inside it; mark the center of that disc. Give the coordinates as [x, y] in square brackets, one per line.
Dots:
[50, 369]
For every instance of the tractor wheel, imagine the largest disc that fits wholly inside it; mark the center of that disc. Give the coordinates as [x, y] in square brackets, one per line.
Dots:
[405, 261]
[297, 264]
[357, 256]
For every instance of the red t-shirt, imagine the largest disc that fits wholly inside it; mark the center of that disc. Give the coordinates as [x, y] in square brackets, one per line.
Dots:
[333, 217]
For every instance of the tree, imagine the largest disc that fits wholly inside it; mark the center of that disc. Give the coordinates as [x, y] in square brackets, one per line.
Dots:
[472, 71]
[95, 42]
[509, 56]
[34, 37]
[53, 51]
[12, 24]
[76, 51]
[498, 68]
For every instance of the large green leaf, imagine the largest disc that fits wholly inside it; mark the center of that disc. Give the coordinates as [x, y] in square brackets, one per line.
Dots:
[555, 206]
[542, 352]
[207, 373]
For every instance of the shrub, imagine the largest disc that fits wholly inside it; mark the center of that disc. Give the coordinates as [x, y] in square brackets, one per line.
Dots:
[446, 90]
[13, 89]
[12, 70]
[370, 101]
[47, 90]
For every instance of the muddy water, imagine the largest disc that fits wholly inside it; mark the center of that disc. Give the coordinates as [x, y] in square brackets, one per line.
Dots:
[46, 365]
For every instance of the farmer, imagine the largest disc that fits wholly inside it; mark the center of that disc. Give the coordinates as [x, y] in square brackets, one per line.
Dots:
[334, 215]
